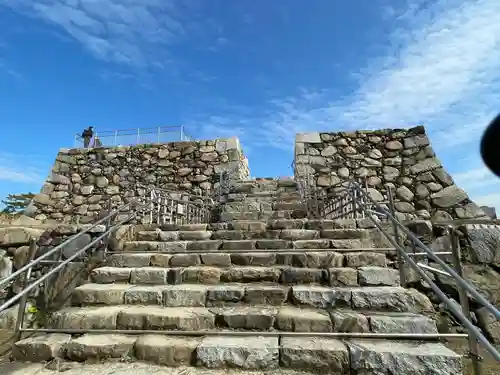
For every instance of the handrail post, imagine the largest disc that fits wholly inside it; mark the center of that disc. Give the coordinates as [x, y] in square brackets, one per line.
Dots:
[158, 136]
[24, 298]
[401, 265]
[182, 132]
[138, 135]
[464, 301]
[115, 140]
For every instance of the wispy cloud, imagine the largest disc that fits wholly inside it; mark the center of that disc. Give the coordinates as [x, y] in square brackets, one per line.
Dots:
[130, 32]
[20, 169]
[441, 69]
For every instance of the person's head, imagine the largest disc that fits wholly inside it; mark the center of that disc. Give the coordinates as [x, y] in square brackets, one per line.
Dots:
[91, 128]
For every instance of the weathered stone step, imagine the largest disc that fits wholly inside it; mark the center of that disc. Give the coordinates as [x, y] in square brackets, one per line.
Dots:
[284, 196]
[240, 235]
[309, 258]
[249, 352]
[337, 276]
[260, 318]
[252, 225]
[382, 298]
[262, 215]
[262, 205]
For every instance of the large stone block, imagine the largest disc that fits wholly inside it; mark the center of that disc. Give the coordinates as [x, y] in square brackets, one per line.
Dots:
[40, 348]
[402, 358]
[314, 353]
[166, 350]
[90, 346]
[253, 353]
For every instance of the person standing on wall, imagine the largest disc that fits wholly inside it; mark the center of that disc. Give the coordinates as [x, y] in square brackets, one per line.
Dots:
[87, 136]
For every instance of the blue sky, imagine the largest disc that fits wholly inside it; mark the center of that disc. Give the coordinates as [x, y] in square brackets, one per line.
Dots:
[261, 70]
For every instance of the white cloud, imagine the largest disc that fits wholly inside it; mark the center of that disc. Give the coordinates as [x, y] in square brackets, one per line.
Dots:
[440, 70]
[131, 32]
[19, 169]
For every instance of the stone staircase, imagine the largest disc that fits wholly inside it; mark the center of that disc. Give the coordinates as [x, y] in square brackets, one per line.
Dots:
[259, 273]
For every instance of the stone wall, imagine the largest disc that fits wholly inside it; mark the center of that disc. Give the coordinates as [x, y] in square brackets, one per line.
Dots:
[83, 181]
[401, 158]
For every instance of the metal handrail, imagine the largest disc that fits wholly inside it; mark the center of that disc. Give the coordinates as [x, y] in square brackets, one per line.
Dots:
[36, 261]
[462, 282]
[355, 188]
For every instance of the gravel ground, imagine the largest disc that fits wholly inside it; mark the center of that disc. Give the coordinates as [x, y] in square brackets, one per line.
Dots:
[127, 369]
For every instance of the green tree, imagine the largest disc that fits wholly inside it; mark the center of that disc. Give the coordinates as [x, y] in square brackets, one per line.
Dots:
[16, 203]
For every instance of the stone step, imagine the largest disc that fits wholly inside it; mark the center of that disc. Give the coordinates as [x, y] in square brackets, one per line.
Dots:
[338, 276]
[257, 225]
[381, 298]
[262, 215]
[327, 241]
[309, 258]
[284, 196]
[249, 352]
[262, 205]
[244, 238]
[257, 318]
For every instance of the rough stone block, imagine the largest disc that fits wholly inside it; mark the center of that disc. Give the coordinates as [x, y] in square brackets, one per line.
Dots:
[253, 318]
[254, 259]
[378, 276]
[218, 295]
[201, 275]
[238, 245]
[85, 318]
[286, 224]
[204, 245]
[185, 260]
[402, 358]
[107, 275]
[91, 346]
[251, 353]
[166, 350]
[303, 320]
[160, 260]
[266, 294]
[165, 318]
[40, 348]
[365, 258]
[129, 260]
[185, 295]
[343, 234]
[321, 297]
[194, 235]
[311, 244]
[299, 234]
[216, 260]
[251, 274]
[149, 275]
[100, 294]
[387, 298]
[349, 321]
[302, 275]
[314, 353]
[402, 323]
[144, 295]
[342, 277]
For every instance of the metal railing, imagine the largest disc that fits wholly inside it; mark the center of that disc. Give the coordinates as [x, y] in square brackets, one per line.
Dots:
[174, 207]
[353, 201]
[156, 206]
[129, 137]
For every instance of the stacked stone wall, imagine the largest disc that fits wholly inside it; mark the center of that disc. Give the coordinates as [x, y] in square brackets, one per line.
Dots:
[83, 181]
[399, 158]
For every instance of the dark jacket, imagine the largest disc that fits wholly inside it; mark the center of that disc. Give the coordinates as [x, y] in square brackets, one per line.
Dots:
[88, 133]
